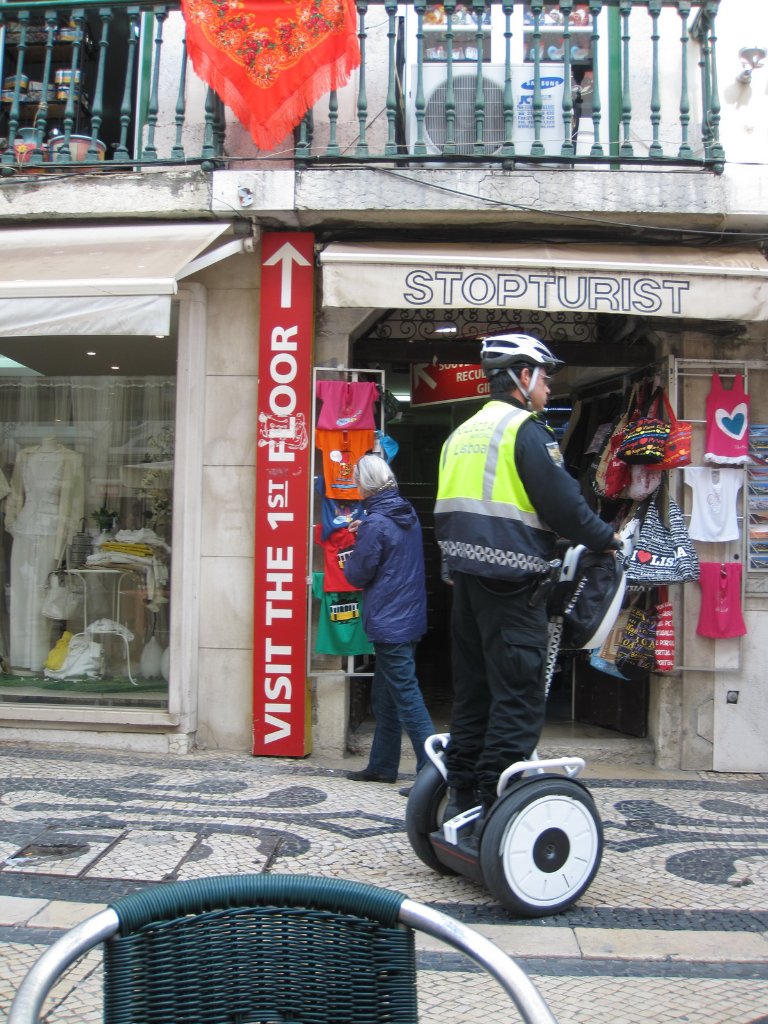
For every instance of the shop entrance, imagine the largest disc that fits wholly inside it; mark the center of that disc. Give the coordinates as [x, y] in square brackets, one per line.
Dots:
[580, 695]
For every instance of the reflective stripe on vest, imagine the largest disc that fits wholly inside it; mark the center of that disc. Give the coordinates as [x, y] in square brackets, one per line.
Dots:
[485, 522]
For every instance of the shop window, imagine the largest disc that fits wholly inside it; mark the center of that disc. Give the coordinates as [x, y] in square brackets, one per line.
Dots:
[86, 467]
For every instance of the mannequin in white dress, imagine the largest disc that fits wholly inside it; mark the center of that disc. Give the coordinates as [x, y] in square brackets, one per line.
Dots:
[42, 513]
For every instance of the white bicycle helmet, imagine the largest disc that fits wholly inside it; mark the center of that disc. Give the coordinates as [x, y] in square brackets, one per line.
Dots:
[504, 350]
[504, 353]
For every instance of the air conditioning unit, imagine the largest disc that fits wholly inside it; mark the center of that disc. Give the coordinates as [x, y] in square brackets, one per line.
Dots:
[434, 78]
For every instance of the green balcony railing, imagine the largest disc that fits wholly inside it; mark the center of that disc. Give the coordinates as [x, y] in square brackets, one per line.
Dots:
[100, 86]
[104, 86]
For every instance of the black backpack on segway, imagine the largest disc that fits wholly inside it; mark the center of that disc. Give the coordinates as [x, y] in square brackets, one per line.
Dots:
[540, 845]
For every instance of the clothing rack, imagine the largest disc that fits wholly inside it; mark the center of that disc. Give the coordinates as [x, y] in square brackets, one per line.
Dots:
[728, 369]
[351, 375]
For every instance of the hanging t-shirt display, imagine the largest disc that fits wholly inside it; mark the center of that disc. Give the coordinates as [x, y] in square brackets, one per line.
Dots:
[335, 514]
[714, 510]
[340, 624]
[727, 421]
[338, 514]
[341, 449]
[336, 550]
[720, 615]
[346, 404]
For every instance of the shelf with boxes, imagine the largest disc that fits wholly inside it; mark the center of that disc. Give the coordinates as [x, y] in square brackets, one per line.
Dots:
[46, 102]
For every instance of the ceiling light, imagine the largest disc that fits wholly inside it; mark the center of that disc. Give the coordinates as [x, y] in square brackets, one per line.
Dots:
[90, 353]
[114, 367]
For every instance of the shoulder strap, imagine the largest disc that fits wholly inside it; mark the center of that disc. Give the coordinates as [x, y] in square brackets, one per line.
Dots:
[668, 406]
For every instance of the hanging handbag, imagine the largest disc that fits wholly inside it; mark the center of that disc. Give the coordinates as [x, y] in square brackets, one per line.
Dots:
[663, 551]
[616, 472]
[645, 436]
[665, 634]
[60, 601]
[604, 658]
[636, 654]
[612, 474]
[677, 451]
[643, 480]
[607, 652]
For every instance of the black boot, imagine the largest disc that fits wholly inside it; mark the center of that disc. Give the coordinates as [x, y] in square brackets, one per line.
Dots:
[368, 775]
[459, 800]
[472, 836]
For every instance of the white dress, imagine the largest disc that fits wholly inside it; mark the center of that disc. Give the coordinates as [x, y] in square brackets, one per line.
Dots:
[42, 513]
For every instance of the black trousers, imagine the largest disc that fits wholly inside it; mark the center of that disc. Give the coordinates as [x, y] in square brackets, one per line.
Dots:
[499, 645]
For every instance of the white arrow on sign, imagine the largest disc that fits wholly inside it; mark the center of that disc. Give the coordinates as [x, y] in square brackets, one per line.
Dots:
[419, 373]
[286, 255]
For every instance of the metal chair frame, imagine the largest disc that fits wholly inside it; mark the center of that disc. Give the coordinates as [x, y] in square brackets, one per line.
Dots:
[144, 914]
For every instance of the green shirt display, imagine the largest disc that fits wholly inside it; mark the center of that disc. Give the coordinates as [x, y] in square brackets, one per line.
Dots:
[340, 624]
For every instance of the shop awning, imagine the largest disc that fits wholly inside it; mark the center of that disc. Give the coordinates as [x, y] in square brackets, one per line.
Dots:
[103, 279]
[717, 283]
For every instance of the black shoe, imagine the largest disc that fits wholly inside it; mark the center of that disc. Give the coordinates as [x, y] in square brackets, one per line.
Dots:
[470, 836]
[366, 775]
[459, 800]
[405, 791]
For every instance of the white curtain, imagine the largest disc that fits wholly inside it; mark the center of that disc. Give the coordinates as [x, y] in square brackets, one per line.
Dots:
[111, 421]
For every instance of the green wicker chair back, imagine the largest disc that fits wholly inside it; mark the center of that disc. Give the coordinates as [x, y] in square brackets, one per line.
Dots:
[260, 949]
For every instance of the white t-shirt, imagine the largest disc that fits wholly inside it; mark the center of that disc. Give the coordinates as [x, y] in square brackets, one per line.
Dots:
[714, 513]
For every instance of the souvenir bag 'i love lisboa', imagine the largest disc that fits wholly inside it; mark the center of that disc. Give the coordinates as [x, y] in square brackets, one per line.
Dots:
[663, 551]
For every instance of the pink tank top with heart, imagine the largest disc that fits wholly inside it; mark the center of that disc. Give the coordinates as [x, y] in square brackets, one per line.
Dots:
[727, 423]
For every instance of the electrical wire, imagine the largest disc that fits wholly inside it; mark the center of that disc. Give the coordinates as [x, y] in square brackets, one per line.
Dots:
[584, 218]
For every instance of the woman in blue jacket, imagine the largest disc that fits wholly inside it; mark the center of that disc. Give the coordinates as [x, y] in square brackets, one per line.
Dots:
[387, 563]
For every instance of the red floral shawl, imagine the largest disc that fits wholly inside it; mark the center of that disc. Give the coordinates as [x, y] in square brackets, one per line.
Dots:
[270, 60]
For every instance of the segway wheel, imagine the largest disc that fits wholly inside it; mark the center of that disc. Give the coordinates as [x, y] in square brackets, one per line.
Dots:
[541, 846]
[424, 815]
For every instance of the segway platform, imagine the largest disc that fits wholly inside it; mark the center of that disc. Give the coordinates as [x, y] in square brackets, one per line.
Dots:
[538, 849]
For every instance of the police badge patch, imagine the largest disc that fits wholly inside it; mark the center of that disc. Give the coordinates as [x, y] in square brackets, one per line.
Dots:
[554, 453]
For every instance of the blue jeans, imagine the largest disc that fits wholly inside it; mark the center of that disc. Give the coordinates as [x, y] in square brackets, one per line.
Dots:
[397, 704]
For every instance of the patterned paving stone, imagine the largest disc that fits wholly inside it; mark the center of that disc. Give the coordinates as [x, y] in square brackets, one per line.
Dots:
[673, 928]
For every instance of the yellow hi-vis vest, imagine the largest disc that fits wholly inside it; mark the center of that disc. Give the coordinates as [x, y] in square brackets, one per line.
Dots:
[484, 520]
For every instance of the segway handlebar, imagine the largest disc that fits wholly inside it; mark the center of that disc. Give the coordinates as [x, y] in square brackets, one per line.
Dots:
[570, 765]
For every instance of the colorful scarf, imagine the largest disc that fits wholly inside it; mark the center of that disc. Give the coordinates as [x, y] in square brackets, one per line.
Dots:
[270, 60]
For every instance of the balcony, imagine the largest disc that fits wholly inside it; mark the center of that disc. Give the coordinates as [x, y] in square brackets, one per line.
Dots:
[603, 83]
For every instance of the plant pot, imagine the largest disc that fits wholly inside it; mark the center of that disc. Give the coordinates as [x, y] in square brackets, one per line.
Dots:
[24, 147]
[78, 149]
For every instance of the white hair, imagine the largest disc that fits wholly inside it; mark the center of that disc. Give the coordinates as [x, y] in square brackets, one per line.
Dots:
[372, 474]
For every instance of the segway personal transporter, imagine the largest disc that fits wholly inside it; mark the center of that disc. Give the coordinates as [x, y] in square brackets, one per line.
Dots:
[540, 846]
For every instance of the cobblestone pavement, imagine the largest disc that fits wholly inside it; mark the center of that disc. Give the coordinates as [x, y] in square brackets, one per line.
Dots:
[674, 927]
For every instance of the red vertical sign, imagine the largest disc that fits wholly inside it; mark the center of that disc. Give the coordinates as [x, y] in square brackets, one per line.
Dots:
[283, 475]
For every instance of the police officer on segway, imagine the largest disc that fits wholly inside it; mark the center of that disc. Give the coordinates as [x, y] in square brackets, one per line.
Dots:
[504, 497]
